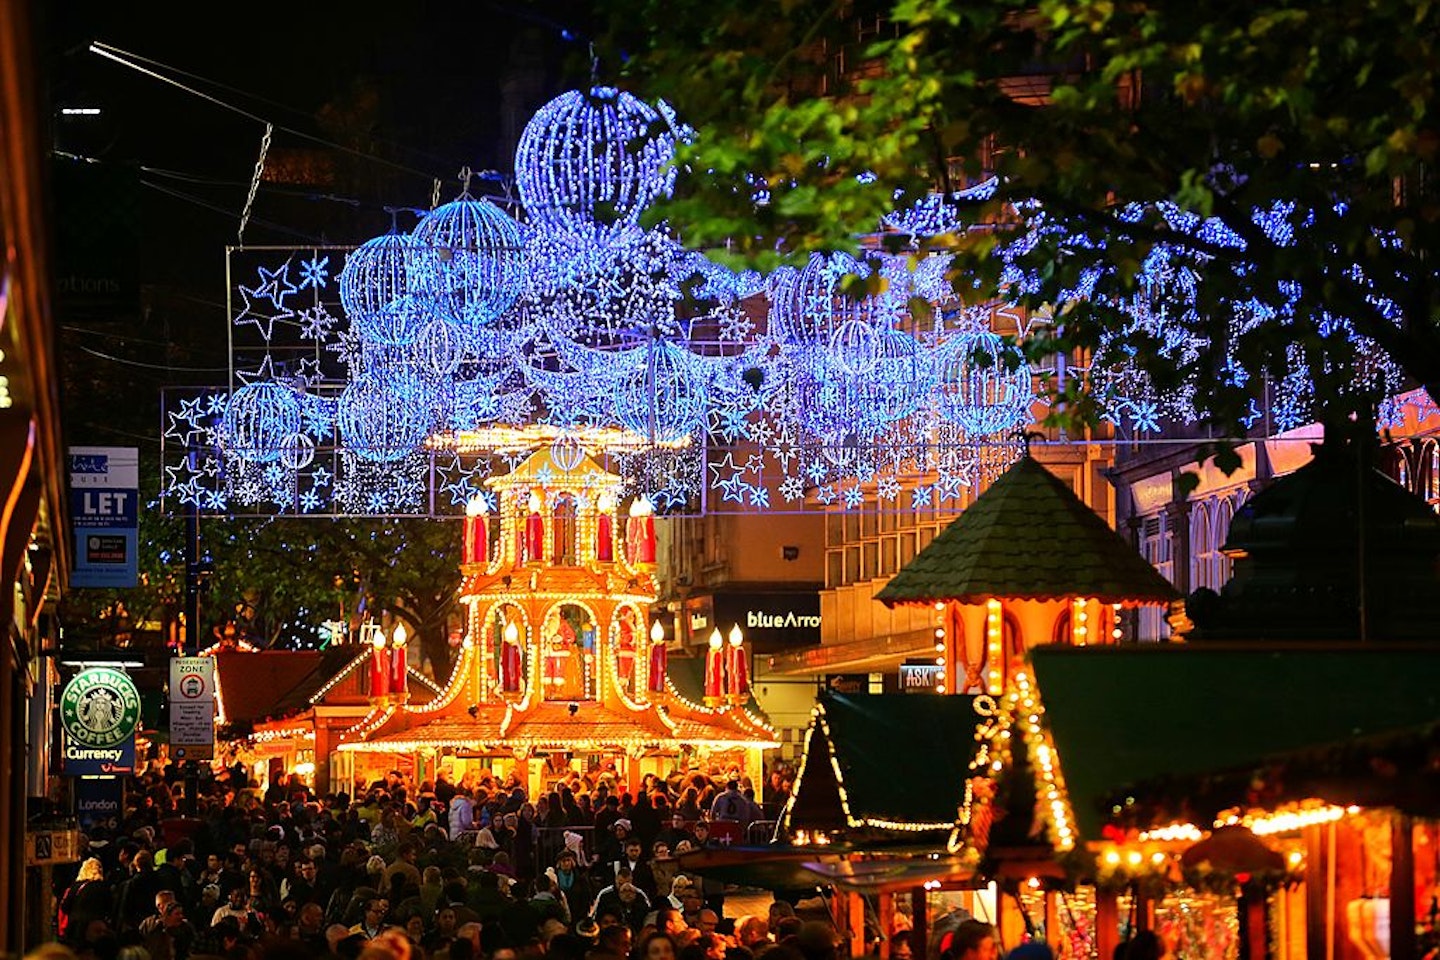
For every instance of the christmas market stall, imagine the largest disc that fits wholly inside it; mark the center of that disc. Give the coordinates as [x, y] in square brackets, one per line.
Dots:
[880, 798]
[1233, 818]
[279, 712]
[560, 659]
[1027, 564]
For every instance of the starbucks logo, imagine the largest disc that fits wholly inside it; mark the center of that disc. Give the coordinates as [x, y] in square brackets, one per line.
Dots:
[100, 707]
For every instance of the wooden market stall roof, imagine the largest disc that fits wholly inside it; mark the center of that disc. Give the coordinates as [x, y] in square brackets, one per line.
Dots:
[256, 686]
[889, 761]
[1028, 537]
[1168, 727]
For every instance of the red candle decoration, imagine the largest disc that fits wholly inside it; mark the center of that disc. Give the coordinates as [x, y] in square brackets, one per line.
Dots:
[605, 529]
[659, 658]
[379, 668]
[398, 660]
[477, 531]
[640, 531]
[737, 667]
[510, 656]
[715, 669]
[534, 531]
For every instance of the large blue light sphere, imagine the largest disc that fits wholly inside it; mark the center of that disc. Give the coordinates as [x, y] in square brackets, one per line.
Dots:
[258, 420]
[589, 163]
[663, 396]
[976, 391]
[469, 260]
[808, 306]
[377, 292]
[385, 414]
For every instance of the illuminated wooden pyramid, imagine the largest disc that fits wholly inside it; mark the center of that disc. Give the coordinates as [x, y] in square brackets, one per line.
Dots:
[560, 654]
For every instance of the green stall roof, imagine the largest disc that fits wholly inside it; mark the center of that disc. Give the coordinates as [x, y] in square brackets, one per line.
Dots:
[1028, 537]
[902, 759]
[1126, 717]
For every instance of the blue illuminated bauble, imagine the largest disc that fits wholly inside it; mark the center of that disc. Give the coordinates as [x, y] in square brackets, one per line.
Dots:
[807, 306]
[258, 419]
[854, 346]
[385, 414]
[588, 163]
[469, 260]
[377, 293]
[976, 391]
[663, 397]
[566, 452]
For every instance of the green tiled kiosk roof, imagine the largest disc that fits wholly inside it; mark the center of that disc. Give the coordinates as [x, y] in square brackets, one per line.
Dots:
[1127, 719]
[1028, 537]
[901, 758]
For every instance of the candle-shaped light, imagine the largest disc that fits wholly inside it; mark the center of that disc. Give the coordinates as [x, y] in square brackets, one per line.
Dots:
[510, 659]
[640, 531]
[397, 659]
[534, 530]
[715, 669]
[379, 667]
[605, 528]
[737, 668]
[477, 530]
[659, 658]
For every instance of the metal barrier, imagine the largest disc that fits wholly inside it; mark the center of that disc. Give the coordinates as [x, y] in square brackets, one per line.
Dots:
[760, 832]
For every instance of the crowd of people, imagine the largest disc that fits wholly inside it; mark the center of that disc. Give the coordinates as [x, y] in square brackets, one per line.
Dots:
[446, 870]
[469, 870]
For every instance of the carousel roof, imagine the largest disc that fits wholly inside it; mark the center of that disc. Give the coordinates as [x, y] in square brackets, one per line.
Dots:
[1028, 537]
[560, 583]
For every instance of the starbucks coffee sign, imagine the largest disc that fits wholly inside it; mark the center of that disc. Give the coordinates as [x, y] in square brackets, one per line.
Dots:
[99, 708]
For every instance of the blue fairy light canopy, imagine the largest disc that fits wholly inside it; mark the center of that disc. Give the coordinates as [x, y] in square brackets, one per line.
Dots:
[393, 376]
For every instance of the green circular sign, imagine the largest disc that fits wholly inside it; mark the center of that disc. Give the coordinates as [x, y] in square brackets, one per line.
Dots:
[100, 707]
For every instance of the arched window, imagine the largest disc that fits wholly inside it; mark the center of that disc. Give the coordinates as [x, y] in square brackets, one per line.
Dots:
[1202, 545]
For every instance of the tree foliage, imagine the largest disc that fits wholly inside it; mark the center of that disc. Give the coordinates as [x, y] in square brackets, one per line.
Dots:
[1273, 154]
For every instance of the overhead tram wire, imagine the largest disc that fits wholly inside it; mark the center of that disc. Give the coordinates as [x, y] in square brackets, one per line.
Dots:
[138, 64]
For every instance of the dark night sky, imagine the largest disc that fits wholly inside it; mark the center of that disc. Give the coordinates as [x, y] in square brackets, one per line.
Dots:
[448, 84]
[436, 87]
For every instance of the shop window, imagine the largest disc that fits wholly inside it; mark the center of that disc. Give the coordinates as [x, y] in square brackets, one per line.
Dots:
[887, 557]
[871, 560]
[834, 568]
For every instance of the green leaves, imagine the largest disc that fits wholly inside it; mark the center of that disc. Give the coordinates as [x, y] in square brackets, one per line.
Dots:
[1086, 105]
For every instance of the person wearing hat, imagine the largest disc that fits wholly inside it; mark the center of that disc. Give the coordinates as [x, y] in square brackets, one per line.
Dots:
[573, 881]
[612, 841]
